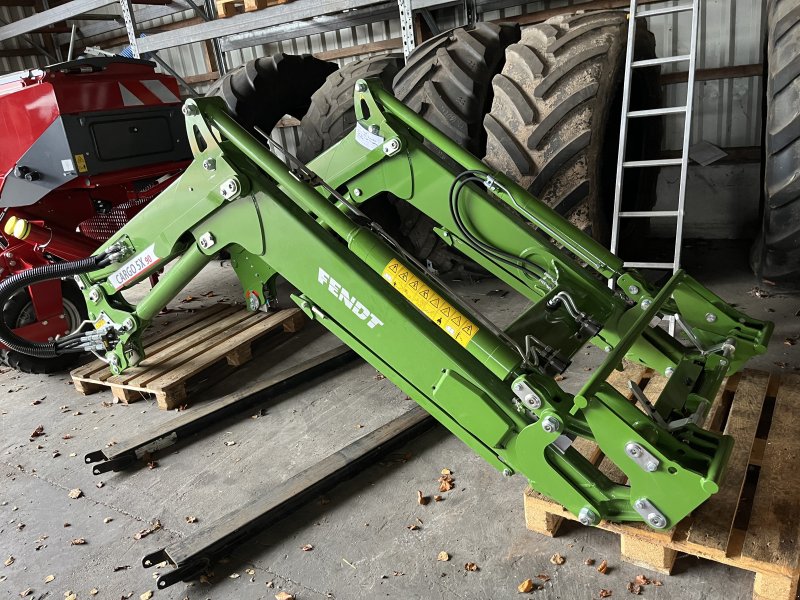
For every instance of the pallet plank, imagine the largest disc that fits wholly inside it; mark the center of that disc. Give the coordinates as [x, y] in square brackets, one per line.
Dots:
[98, 370]
[246, 336]
[774, 527]
[713, 521]
[185, 349]
[212, 342]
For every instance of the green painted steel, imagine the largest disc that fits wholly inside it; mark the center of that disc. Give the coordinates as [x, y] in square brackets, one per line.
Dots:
[492, 388]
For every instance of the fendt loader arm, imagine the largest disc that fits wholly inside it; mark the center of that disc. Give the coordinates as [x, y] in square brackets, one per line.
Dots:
[492, 388]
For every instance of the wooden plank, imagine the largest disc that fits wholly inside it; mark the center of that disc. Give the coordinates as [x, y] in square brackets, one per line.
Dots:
[155, 352]
[713, 521]
[654, 387]
[194, 345]
[774, 528]
[619, 379]
[359, 49]
[99, 370]
[250, 331]
[184, 350]
[717, 412]
[649, 555]
[774, 587]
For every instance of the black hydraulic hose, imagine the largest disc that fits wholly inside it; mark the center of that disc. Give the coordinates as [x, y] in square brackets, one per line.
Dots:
[28, 277]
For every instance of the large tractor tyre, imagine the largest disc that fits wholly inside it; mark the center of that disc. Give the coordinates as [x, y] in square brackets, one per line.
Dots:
[332, 115]
[18, 311]
[263, 90]
[554, 123]
[776, 254]
[447, 80]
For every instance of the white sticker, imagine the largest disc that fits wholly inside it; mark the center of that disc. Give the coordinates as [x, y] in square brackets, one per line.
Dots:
[134, 267]
[370, 141]
[67, 166]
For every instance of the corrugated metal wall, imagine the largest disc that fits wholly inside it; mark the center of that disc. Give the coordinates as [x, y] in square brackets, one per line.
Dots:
[727, 112]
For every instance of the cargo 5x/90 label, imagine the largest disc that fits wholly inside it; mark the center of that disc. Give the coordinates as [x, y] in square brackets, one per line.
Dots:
[436, 308]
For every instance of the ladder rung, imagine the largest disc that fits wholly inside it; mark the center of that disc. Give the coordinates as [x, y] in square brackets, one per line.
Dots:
[656, 112]
[665, 11]
[650, 62]
[649, 265]
[658, 162]
[649, 213]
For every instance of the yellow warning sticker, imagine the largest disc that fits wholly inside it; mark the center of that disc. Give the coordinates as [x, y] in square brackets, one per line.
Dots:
[436, 308]
[80, 162]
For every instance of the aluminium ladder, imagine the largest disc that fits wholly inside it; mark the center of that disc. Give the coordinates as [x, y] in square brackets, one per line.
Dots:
[627, 114]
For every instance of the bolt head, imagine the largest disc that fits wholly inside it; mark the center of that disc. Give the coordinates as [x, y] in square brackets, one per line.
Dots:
[207, 240]
[711, 317]
[651, 467]
[506, 472]
[551, 424]
[633, 289]
[374, 129]
[209, 164]
[607, 349]
[639, 504]
[533, 400]
[669, 371]
[361, 86]
[519, 387]
[229, 189]
[657, 520]
[646, 303]
[391, 147]
[633, 450]
[587, 516]
[189, 110]
[357, 192]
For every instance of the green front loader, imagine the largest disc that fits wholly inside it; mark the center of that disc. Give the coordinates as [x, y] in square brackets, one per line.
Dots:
[493, 388]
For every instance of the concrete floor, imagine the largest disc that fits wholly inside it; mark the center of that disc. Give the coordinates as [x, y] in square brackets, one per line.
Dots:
[362, 547]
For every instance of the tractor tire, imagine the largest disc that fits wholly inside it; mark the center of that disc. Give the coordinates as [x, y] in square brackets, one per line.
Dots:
[554, 122]
[447, 80]
[263, 90]
[776, 254]
[18, 311]
[332, 115]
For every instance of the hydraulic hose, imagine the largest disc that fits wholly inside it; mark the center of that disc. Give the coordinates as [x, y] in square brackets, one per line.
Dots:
[18, 281]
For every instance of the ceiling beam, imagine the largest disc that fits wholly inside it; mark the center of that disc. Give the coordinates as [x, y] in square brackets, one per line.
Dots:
[48, 17]
[18, 52]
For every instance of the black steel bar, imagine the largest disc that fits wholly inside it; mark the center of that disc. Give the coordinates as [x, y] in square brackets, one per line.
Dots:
[193, 554]
[126, 454]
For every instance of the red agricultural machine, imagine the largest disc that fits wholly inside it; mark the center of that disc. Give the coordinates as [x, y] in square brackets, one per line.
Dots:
[85, 145]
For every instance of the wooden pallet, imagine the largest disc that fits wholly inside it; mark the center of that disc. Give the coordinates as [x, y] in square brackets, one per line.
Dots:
[753, 522]
[229, 8]
[212, 342]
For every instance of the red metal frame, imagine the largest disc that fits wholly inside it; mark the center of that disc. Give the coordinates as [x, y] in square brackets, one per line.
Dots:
[60, 226]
